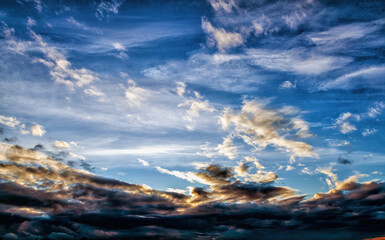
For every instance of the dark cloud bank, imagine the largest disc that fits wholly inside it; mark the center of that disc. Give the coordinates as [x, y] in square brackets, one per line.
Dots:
[44, 198]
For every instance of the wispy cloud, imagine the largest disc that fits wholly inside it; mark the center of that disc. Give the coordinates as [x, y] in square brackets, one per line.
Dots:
[107, 7]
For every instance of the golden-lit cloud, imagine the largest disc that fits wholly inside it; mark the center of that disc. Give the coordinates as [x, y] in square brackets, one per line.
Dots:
[261, 127]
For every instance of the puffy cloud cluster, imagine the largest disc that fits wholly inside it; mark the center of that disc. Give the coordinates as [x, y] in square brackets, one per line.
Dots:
[12, 122]
[260, 127]
[42, 197]
[344, 121]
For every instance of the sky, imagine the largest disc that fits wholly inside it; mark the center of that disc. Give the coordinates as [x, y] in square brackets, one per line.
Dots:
[245, 117]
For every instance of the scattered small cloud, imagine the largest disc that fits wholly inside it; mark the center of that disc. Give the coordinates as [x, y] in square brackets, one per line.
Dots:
[143, 162]
[9, 121]
[107, 7]
[37, 130]
[219, 37]
[368, 132]
[61, 144]
[288, 85]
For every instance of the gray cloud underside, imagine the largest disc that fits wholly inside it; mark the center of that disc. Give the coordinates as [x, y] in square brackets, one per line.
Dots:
[41, 197]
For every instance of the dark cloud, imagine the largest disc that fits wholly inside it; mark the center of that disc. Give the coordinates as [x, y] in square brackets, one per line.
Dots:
[344, 160]
[49, 199]
[10, 140]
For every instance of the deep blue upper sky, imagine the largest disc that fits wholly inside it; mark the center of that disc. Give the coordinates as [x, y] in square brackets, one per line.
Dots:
[299, 85]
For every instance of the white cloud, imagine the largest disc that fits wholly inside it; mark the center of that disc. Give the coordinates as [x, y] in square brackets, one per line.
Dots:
[77, 156]
[76, 23]
[295, 18]
[13, 43]
[189, 176]
[121, 49]
[306, 171]
[296, 60]
[194, 107]
[223, 40]
[23, 130]
[329, 171]
[343, 124]
[9, 121]
[181, 88]
[94, 91]
[61, 144]
[38, 5]
[255, 161]
[289, 168]
[368, 132]
[288, 84]
[135, 95]
[143, 162]
[30, 22]
[225, 5]
[375, 110]
[226, 148]
[118, 46]
[259, 127]
[336, 143]
[37, 130]
[350, 80]
[176, 190]
[107, 7]
[343, 32]
[144, 150]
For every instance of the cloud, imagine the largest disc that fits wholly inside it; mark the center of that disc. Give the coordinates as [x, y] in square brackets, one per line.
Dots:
[9, 121]
[343, 33]
[342, 122]
[375, 110]
[119, 47]
[60, 69]
[73, 21]
[181, 88]
[344, 160]
[107, 7]
[143, 162]
[333, 178]
[37, 130]
[61, 144]
[297, 60]
[222, 39]
[226, 148]
[260, 127]
[41, 193]
[135, 95]
[352, 80]
[289, 168]
[194, 107]
[288, 85]
[225, 5]
[73, 155]
[30, 22]
[94, 91]
[368, 132]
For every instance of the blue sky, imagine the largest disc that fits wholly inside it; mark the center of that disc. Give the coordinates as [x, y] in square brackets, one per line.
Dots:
[150, 92]
[106, 77]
